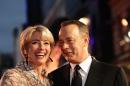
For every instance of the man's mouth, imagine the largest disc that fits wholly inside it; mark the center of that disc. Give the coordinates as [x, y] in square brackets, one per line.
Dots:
[68, 53]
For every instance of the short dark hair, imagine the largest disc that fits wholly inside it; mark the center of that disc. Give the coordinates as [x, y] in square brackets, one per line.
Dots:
[84, 29]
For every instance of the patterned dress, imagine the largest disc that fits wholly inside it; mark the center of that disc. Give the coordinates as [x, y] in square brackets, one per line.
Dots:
[22, 75]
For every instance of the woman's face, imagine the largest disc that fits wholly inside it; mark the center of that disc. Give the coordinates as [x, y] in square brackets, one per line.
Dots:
[38, 49]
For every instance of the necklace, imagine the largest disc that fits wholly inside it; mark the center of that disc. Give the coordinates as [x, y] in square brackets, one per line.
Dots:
[27, 67]
[35, 76]
[43, 72]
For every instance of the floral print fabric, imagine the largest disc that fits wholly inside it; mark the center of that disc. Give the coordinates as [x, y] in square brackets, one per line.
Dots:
[22, 75]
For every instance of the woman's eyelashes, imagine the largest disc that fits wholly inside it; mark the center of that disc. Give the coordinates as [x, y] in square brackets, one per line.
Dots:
[40, 42]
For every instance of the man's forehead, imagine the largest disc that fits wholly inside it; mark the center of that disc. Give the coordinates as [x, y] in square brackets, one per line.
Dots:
[68, 30]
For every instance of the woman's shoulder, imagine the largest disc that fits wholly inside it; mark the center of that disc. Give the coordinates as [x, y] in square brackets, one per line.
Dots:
[14, 72]
[11, 77]
[11, 72]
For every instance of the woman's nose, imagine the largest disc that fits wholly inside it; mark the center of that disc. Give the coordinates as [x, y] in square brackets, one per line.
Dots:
[41, 46]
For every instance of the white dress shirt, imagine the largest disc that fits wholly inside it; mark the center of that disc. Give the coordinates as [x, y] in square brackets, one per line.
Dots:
[85, 66]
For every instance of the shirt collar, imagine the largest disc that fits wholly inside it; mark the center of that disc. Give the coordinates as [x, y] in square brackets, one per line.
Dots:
[85, 65]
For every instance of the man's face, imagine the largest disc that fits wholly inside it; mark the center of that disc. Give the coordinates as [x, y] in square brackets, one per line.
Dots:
[71, 43]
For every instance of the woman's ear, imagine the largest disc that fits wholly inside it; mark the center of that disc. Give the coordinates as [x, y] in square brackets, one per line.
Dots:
[25, 52]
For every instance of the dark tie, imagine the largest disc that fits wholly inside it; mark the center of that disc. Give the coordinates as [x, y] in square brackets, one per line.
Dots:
[76, 79]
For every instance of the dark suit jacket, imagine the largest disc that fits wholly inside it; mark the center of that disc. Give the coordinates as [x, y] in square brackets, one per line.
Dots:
[100, 74]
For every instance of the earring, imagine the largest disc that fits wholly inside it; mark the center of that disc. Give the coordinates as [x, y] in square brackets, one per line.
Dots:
[26, 59]
[26, 56]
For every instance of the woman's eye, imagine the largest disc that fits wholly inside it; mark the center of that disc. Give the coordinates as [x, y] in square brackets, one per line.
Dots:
[35, 42]
[46, 43]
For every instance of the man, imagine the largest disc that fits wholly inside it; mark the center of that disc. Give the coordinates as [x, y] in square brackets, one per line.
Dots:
[74, 42]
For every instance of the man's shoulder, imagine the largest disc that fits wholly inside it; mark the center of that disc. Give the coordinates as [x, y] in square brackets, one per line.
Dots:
[110, 72]
[107, 66]
[58, 76]
[60, 70]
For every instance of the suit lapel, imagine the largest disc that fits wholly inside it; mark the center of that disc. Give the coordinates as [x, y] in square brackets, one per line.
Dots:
[94, 76]
[66, 75]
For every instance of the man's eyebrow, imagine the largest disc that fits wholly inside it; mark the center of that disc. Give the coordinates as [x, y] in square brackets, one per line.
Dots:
[68, 38]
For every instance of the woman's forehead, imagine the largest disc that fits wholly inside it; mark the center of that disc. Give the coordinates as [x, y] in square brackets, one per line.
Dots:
[40, 36]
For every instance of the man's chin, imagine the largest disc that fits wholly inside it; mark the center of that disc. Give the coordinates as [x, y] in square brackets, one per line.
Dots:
[73, 61]
[69, 58]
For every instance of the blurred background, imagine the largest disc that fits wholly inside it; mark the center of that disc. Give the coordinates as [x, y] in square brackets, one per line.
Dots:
[109, 21]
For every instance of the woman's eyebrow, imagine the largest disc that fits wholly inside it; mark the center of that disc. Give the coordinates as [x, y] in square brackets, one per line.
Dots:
[35, 40]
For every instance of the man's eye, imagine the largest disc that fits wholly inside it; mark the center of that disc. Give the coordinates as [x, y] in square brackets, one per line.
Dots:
[70, 40]
[60, 43]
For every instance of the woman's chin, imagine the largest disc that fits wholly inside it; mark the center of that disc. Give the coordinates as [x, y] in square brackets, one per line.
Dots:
[40, 62]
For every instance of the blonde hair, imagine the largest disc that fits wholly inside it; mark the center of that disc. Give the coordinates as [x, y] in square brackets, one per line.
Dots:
[25, 37]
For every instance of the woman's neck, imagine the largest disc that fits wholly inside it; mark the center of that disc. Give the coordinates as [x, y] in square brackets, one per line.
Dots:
[40, 70]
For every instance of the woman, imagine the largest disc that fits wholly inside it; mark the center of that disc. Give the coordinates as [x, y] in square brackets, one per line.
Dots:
[35, 45]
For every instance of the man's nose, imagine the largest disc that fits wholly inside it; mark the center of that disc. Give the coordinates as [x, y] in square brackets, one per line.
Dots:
[65, 45]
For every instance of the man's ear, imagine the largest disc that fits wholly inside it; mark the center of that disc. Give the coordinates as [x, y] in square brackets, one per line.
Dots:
[86, 40]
